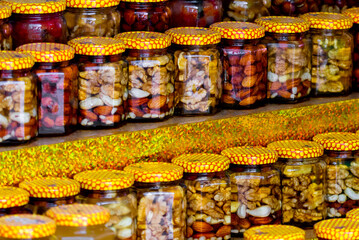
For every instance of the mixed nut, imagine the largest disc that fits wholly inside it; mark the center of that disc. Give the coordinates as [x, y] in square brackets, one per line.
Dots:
[294, 8]
[246, 10]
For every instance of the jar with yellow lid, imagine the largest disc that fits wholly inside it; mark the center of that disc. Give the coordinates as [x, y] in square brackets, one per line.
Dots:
[50, 192]
[5, 27]
[111, 189]
[27, 227]
[13, 201]
[337, 229]
[275, 232]
[151, 75]
[353, 214]
[161, 200]
[81, 221]
[208, 195]
[103, 77]
[18, 94]
[96, 18]
[198, 81]
[289, 58]
[294, 8]
[332, 53]
[245, 10]
[57, 86]
[244, 61]
[256, 190]
[342, 158]
[37, 21]
[303, 181]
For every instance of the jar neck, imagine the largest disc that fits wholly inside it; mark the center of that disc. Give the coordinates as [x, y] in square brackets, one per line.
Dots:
[193, 47]
[13, 210]
[239, 42]
[156, 184]
[44, 16]
[285, 36]
[81, 229]
[341, 154]
[51, 65]
[44, 201]
[251, 168]
[327, 32]
[98, 59]
[105, 10]
[299, 160]
[194, 176]
[14, 73]
[143, 5]
[104, 193]
[145, 53]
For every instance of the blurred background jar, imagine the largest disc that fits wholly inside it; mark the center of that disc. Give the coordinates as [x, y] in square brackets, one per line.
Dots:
[37, 21]
[103, 77]
[244, 61]
[111, 189]
[18, 94]
[273, 232]
[92, 18]
[57, 86]
[13, 201]
[294, 8]
[338, 6]
[342, 158]
[151, 75]
[5, 27]
[332, 53]
[334, 229]
[245, 10]
[289, 59]
[198, 81]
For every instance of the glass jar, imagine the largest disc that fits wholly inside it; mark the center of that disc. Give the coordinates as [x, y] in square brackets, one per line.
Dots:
[198, 83]
[303, 181]
[195, 13]
[294, 8]
[245, 10]
[274, 232]
[103, 77]
[208, 195]
[57, 86]
[111, 189]
[5, 27]
[81, 221]
[37, 21]
[92, 18]
[332, 53]
[50, 192]
[161, 200]
[342, 158]
[289, 59]
[244, 65]
[142, 15]
[18, 106]
[151, 75]
[12, 201]
[335, 229]
[256, 190]
[337, 6]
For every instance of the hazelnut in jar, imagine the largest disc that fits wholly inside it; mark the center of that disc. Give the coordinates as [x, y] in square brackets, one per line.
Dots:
[5, 27]
[274, 232]
[13, 201]
[208, 195]
[245, 10]
[337, 229]
[244, 61]
[111, 189]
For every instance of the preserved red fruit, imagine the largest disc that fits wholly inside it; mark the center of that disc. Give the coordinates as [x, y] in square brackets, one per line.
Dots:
[294, 8]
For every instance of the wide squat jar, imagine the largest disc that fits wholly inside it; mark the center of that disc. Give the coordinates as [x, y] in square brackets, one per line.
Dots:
[81, 221]
[18, 94]
[103, 77]
[332, 53]
[57, 87]
[50, 192]
[151, 75]
[198, 82]
[111, 189]
[255, 188]
[208, 195]
[342, 158]
[245, 10]
[161, 201]
[5, 27]
[274, 232]
[289, 59]
[13, 201]
[294, 8]
[337, 229]
[303, 181]
[92, 18]
[37, 21]
[244, 61]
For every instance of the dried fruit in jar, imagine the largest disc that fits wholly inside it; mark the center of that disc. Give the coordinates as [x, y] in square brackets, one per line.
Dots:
[294, 8]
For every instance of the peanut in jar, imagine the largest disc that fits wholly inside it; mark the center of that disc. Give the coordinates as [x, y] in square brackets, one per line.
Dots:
[337, 229]
[5, 28]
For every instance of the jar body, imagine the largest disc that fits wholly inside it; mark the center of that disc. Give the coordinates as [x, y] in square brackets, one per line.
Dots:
[26, 28]
[294, 8]
[255, 196]
[355, 32]
[153, 17]
[151, 84]
[289, 67]
[245, 10]
[40, 205]
[5, 34]
[97, 22]
[332, 62]
[198, 81]
[97, 232]
[102, 90]
[244, 73]
[18, 94]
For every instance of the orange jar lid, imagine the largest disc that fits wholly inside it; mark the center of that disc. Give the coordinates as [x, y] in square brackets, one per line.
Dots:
[152, 172]
[5, 11]
[338, 229]
[104, 180]
[26, 226]
[274, 232]
[202, 162]
[144, 40]
[279, 24]
[79, 215]
[97, 46]
[338, 141]
[48, 52]
[194, 36]
[353, 13]
[11, 60]
[239, 30]
[296, 149]
[36, 6]
[323, 20]
[92, 3]
[13, 197]
[250, 155]
[353, 214]
[51, 187]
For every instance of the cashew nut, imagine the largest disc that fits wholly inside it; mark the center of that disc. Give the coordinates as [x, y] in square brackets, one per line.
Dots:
[241, 212]
[20, 117]
[91, 102]
[332, 198]
[110, 101]
[138, 93]
[262, 211]
[342, 198]
[351, 194]
[3, 121]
